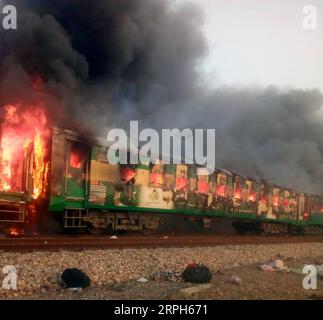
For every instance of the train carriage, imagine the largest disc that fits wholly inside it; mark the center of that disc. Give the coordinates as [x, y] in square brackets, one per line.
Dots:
[80, 189]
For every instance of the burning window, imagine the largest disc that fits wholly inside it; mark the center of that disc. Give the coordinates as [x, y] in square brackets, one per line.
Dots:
[276, 197]
[23, 149]
[252, 192]
[76, 160]
[127, 174]
[181, 178]
[77, 157]
[156, 176]
[221, 185]
[203, 184]
[237, 193]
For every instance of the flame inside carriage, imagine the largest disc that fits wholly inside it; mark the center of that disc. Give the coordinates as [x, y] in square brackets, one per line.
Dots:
[23, 166]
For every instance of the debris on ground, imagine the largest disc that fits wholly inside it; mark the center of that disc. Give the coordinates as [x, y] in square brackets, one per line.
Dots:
[113, 237]
[38, 271]
[75, 278]
[166, 276]
[197, 273]
[276, 265]
[235, 280]
[196, 289]
[142, 280]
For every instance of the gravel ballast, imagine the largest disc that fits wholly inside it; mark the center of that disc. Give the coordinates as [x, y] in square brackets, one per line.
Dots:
[38, 272]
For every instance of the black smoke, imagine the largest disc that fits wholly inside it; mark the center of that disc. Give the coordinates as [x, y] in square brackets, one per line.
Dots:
[106, 62]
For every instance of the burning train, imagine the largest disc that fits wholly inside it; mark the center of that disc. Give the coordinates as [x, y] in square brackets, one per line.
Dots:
[53, 174]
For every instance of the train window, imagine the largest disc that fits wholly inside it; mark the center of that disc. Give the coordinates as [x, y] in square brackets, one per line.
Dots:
[181, 178]
[192, 179]
[77, 156]
[76, 170]
[156, 178]
[221, 185]
[127, 174]
[237, 187]
[276, 197]
[251, 191]
[286, 200]
[75, 160]
[203, 180]
[264, 193]
[203, 184]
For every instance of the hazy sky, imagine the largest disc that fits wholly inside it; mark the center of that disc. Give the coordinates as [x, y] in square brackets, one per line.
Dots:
[256, 42]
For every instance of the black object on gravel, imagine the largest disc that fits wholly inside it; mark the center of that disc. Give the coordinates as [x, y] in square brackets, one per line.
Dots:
[197, 273]
[75, 278]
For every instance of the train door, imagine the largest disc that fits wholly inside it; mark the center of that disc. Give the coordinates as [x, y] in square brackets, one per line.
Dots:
[75, 187]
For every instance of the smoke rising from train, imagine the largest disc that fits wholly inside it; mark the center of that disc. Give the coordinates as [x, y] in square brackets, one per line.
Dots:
[106, 62]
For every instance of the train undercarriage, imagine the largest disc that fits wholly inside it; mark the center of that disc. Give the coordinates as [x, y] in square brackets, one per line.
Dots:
[149, 223]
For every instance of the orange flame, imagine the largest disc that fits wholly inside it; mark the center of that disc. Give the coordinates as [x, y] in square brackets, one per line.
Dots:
[237, 195]
[22, 134]
[14, 232]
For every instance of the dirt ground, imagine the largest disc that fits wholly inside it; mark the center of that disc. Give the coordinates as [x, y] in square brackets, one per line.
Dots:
[255, 284]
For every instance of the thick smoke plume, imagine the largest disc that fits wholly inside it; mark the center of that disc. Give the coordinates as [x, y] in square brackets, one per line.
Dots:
[99, 64]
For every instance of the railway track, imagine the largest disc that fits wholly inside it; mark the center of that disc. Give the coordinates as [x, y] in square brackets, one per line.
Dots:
[55, 243]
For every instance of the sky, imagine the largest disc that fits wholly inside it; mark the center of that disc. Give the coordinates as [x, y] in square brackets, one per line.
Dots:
[262, 43]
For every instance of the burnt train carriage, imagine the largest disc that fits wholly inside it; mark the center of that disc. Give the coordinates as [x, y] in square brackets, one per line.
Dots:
[82, 189]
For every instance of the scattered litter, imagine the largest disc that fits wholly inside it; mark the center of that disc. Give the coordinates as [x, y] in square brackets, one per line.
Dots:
[113, 237]
[235, 280]
[166, 276]
[165, 237]
[266, 267]
[142, 280]
[196, 289]
[75, 278]
[197, 273]
[276, 265]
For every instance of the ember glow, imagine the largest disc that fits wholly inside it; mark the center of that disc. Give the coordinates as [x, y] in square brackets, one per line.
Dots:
[15, 232]
[23, 139]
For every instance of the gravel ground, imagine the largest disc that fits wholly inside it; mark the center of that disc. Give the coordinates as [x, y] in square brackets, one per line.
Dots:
[114, 272]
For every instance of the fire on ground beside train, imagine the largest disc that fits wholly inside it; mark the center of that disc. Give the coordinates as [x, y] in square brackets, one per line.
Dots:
[56, 172]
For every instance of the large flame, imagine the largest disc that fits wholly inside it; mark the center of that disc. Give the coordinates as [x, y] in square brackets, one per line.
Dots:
[23, 132]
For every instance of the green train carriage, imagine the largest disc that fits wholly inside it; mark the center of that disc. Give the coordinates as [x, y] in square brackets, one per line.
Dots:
[85, 191]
